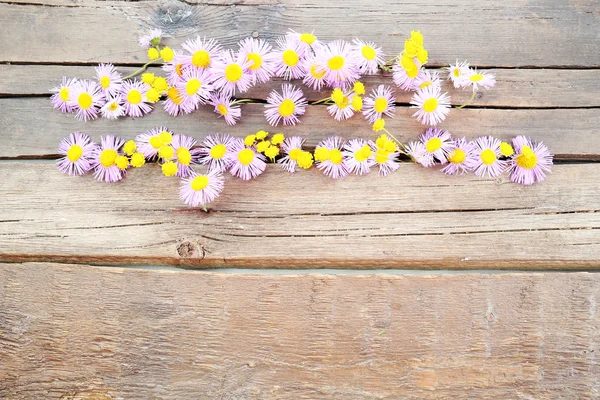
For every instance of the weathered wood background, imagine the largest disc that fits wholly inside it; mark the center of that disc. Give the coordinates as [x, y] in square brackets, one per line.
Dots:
[75, 331]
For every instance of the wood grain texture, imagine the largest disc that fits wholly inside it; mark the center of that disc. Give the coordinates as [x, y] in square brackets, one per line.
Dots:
[79, 332]
[31, 128]
[415, 218]
[508, 33]
[515, 88]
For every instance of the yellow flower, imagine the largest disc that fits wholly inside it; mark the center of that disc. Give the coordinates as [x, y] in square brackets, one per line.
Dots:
[277, 138]
[160, 84]
[148, 78]
[337, 96]
[249, 140]
[263, 146]
[261, 134]
[359, 88]
[321, 154]
[129, 147]
[422, 55]
[416, 37]
[357, 103]
[272, 152]
[506, 149]
[169, 168]
[122, 162]
[305, 159]
[378, 125]
[137, 160]
[167, 54]
[153, 95]
[166, 152]
[153, 54]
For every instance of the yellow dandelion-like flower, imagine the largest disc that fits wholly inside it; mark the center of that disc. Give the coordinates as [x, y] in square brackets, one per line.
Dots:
[148, 78]
[153, 54]
[272, 152]
[305, 159]
[169, 168]
[129, 147]
[160, 84]
[249, 140]
[137, 160]
[359, 88]
[277, 138]
[378, 125]
[261, 135]
[167, 54]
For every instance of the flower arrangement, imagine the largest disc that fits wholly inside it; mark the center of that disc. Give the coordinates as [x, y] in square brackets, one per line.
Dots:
[203, 73]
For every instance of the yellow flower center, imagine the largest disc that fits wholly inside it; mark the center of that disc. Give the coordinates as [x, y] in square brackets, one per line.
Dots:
[381, 156]
[476, 77]
[200, 182]
[527, 159]
[344, 103]
[192, 86]
[381, 104]
[64, 94]
[456, 72]
[129, 147]
[174, 95]
[316, 73]
[308, 38]
[295, 153]
[184, 156]
[506, 149]
[108, 157]
[425, 84]
[246, 156]
[178, 69]
[85, 100]
[256, 61]
[457, 156]
[290, 58]
[369, 53]
[321, 154]
[166, 152]
[363, 154]
[222, 109]
[335, 156]
[488, 157]
[74, 153]
[336, 62]
[165, 137]
[286, 108]
[105, 82]
[113, 106]
[430, 105]
[134, 96]
[218, 151]
[200, 59]
[155, 142]
[433, 144]
[233, 72]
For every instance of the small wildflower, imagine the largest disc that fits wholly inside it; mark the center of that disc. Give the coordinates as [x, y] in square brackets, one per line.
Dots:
[201, 189]
[285, 107]
[77, 150]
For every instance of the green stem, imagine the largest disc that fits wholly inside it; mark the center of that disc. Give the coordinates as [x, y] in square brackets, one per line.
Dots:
[468, 102]
[142, 69]
[326, 99]
[397, 141]
[241, 101]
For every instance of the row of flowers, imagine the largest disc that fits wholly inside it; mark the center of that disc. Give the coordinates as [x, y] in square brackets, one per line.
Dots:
[525, 161]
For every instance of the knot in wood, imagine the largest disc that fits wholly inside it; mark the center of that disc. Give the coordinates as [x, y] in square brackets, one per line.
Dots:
[188, 249]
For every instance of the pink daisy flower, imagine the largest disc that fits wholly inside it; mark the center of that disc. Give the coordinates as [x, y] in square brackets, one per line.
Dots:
[342, 110]
[113, 108]
[433, 106]
[246, 163]
[215, 152]
[291, 147]
[150, 141]
[104, 159]
[151, 39]
[438, 144]
[85, 100]
[462, 158]
[289, 58]
[77, 150]
[109, 79]
[487, 157]
[195, 88]
[201, 189]
[175, 68]
[61, 99]
[184, 154]
[285, 107]
[427, 78]
[339, 63]
[458, 72]
[231, 73]
[380, 103]
[202, 52]
[330, 159]
[359, 156]
[225, 107]
[476, 79]
[134, 96]
[420, 155]
[314, 77]
[261, 61]
[401, 78]
[530, 163]
[369, 56]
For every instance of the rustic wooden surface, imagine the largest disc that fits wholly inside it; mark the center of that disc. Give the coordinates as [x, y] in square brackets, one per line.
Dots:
[79, 332]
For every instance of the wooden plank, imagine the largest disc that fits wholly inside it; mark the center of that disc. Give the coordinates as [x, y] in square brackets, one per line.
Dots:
[550, 34]
[79, 332]
[515, 87]
[415, 218]
[31, 128]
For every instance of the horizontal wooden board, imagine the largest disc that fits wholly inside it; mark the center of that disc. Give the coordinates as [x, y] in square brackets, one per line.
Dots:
[31, 128]
[509, 33]
[515, 87]
[79, 332]
[415, 218]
